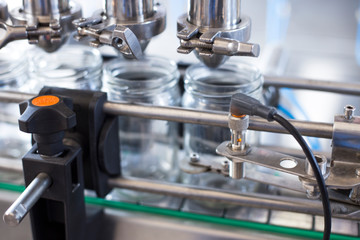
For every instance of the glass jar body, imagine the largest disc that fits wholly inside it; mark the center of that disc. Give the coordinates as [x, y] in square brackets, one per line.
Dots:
[72, 66]
[211, 89]
[148, 147]
[13, 77]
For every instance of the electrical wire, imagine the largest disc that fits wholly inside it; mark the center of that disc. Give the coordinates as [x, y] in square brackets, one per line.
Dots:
[318, 175]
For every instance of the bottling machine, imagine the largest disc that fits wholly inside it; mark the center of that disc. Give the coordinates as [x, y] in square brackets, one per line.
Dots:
[303, 191]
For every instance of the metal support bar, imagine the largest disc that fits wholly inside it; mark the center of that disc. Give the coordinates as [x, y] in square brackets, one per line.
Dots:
[220, 119]
[18, 210]
[256, 200]
[204, 194]
[311, 84]
[178, 114]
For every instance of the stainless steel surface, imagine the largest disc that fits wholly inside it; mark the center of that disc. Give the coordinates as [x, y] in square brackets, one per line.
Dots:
[315, 129]
[334, 175]
[220, 46]
[215, 30]
[144, 19]
[257, 200]
[220, 119]
[322, 162]
[130, 225]
[45, 7]
[265, 158]
[349, 111]
[214, 14]
[18, 210]
[346, 141]
[124, 10]
[12, 33]
[47, 23]
[312, 84]
[4, 14]
[238, 127]
[248, 199]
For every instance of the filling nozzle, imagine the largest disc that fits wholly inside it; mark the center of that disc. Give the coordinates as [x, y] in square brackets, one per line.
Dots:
[46, 23]
[128, 26]
[215, 30]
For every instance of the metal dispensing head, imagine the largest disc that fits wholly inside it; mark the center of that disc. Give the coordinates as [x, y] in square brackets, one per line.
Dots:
[215, 30]
[126, 25]
[46, 23]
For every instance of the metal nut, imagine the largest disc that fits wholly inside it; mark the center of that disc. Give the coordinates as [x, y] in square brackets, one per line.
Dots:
[238, 124]
[194, 158]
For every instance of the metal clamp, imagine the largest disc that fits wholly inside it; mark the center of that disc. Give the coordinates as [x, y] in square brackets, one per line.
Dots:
[117, 36]
[128, 35]
[49, 30]
[214, 45]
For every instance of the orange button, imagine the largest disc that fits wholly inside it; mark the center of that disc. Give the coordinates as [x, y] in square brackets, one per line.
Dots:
[46, 100]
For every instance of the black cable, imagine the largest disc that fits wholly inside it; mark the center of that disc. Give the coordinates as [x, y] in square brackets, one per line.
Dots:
[318, 175]
[243, 104]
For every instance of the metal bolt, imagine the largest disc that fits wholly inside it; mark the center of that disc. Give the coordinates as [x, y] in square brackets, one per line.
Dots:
[226, 166]
[313, 194]
[194, 158]
[349, 111]
[357, 171]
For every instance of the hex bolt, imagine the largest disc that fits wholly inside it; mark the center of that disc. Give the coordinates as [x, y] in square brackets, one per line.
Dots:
[226, 166]
[194, 157]
[313, 194]
[349, 111]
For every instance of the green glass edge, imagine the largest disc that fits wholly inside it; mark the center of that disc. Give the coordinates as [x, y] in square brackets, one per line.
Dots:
[198, 217]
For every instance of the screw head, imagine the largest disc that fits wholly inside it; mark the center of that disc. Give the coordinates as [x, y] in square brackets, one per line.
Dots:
[349, 111]
[194, 157]
[226, 165]
[357, 171]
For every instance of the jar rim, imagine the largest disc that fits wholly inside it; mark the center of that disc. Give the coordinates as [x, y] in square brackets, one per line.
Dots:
[162, 74]
[228, 79]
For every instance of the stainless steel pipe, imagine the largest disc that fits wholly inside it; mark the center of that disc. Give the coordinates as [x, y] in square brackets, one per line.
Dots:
[124, 10]
[220, 119]
[203, 194]
[311, 84]
[45, 7]
[214, 13]
[177, 114]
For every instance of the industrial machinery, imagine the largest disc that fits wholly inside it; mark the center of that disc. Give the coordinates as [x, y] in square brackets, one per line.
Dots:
[75, 134]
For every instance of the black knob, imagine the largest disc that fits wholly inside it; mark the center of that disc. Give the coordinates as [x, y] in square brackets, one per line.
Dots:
[47, 117]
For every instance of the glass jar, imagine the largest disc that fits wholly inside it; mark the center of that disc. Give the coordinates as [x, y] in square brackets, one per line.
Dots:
[211, 89]
[148, 147]
[72, 66]
[13, 76]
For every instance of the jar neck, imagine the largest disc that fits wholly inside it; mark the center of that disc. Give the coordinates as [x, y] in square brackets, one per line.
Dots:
[223, 82]
[146, 77]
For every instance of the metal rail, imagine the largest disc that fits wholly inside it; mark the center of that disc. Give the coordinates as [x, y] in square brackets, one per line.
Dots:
[177, 114]
[311, 84]
[341, 208]
[256, 200]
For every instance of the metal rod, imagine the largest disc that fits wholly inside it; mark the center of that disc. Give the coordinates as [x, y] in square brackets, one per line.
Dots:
[249, 199]
[220, 119]
[311, 84]
[18, 210]
[178, 114]
[214, 13]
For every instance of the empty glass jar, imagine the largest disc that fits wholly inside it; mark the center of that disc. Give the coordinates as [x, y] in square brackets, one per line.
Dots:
[13, 76]
[211, 89]
[148, 147]
[72, 66]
